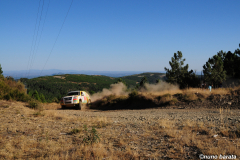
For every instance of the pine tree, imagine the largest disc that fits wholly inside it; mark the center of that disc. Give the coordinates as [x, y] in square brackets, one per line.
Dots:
[42, 98]
[120, 80]
[1, 72]
[143, 81]
[179, 74]
[230, 64]
[35, 95]
[237, 62]
[213, 70]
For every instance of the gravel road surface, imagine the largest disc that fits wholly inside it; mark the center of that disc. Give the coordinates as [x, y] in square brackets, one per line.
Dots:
[204, 115]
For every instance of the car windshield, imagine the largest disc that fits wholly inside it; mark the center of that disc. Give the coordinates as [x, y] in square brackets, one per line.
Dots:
[73, 93]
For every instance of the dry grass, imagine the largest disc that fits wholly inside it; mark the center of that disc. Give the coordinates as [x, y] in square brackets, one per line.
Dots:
[51, 106]
[50, 136]
[205, 92]
[164, 92]
[221, 91]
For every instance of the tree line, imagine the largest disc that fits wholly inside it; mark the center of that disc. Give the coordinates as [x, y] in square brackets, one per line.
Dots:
[215, 71]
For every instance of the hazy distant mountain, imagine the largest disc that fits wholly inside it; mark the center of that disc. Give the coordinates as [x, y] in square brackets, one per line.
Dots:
[50, 72]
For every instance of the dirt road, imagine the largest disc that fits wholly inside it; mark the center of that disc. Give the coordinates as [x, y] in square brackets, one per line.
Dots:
[199, 115]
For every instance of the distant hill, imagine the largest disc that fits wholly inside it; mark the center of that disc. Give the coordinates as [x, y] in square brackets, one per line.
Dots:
[37, 73]
[151, 76]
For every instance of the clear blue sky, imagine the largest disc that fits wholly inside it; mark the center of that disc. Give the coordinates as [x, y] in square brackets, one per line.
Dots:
[115, 35]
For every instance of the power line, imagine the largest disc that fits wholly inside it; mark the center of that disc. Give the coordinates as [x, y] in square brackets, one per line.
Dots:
[34, 54]
[57, 36]
[43, 24]
[33, 37]
[40, 32]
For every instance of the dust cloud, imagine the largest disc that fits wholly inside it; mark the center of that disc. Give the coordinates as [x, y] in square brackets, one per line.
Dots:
[117, 89]
[120, 89]
[159, 87]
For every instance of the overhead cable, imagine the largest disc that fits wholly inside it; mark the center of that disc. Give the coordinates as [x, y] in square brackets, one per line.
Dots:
[57, 37]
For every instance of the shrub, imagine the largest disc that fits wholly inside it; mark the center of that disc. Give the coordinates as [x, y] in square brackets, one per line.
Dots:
[75, 131]
[166, 98]
[42, 98]
[7, 97]
[35, 105]
[91, 92]
[91, 136]
[38, 113]
[12, 90]
[101, 124]
[167, 95]
[111, 97]
[134, 93]
[173, 101]
[35, 95]
[189, 97]
[55, 100]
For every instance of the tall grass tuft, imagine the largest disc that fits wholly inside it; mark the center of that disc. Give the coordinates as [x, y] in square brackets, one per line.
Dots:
[91, 136]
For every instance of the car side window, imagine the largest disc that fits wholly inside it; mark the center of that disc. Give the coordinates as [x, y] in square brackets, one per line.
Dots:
[82, 94]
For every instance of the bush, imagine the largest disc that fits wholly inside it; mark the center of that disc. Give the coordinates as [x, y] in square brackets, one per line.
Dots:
[91, 136]
[38, 113]
[75, 131]
[134, 93]
[35, 95]
[166, 98]
[173, 101]
[167, 95]
[111, 97]
[12, 90]
[55, 100]
[91, 92]
[35, 105]
[42, 98]
[7, 97]
[189, 97]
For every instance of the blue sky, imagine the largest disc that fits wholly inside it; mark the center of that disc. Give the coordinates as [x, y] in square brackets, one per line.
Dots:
[115, 35]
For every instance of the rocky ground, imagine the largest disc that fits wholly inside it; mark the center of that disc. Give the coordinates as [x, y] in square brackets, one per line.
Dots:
[213, 101]
[216, 116]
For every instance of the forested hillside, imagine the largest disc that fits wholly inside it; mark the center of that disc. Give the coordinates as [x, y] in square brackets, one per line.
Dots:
[55, 87]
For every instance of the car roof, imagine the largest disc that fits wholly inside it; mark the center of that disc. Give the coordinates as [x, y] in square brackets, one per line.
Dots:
[76, 91]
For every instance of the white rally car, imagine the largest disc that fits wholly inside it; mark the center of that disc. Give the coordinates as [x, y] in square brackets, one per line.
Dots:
[75, 99]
